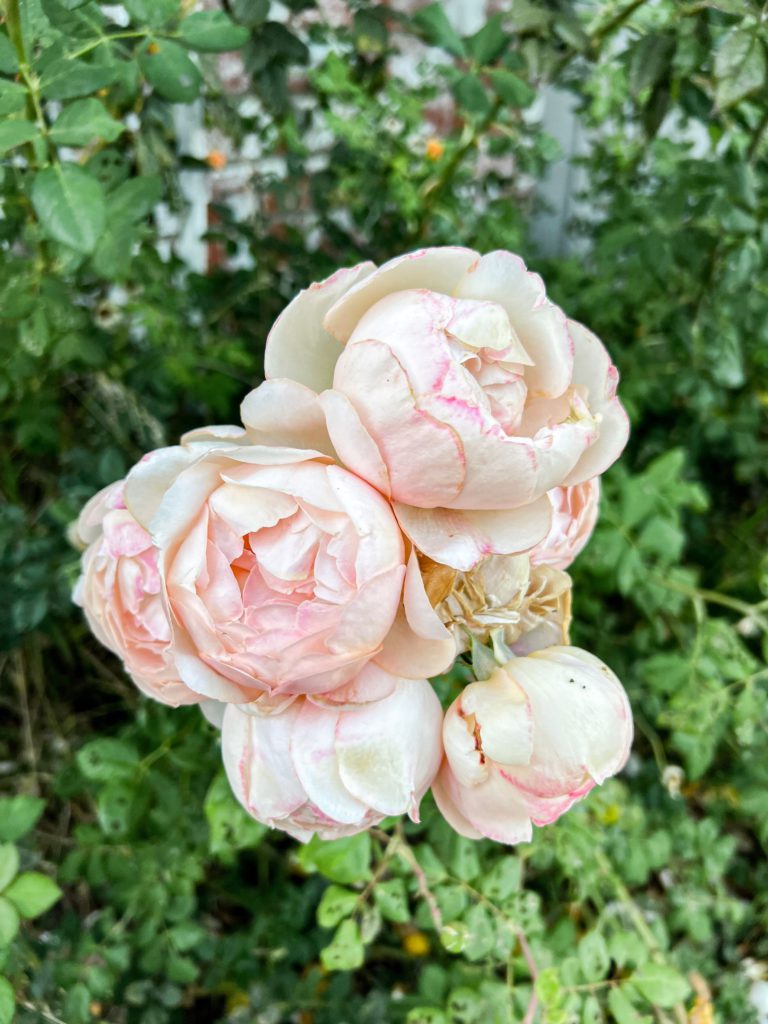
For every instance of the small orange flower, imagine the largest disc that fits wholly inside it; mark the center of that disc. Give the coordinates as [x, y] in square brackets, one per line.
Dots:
[102, 92]
[153, 48]
[416, 944]
[435, 149]
[216, 159]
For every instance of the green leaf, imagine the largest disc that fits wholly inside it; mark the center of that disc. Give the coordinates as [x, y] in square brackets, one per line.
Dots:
[107, 759]
[9, 864]
[433, 23]
[336, 904]
[114, 807]
[231, 827]
[650, 60]
[18, 814]
[152, 12]
[470, 94]
[249, 12]
[392, 900]
[7, 1002]
[489, 42]
[346, 952]
[341, 860]
[661, 985]
[65, 78]
[511, 89]
[13, 96]
[70, 206]
[623, 1010]
[740, 67]
[33, 893]
[16, 133]
[83, 121]
[167, 67]
[133, 200]
[503, 879]
[594, 957]
[9, 922]
[212, 32]
[9, 61]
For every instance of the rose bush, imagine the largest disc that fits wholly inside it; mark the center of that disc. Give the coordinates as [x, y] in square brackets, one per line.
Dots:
[332, 771]
[524, 745]
[452, 384]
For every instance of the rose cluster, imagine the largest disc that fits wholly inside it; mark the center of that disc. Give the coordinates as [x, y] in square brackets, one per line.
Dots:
[409, 483]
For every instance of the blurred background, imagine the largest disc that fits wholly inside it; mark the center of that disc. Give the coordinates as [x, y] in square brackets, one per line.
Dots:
[171, 175]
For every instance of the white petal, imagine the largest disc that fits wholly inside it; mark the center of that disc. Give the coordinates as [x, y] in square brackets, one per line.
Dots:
[283, 412]
[257, 760]
[298, 346]
[390, 751]
[503, 714]
[149, 479]
[354, 445]
[313, 748]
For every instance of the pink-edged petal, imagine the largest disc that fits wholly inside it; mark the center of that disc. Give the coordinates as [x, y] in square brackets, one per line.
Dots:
[582, 722]
[286, 413]
[437, 270]
[313, 749]
[468, 765]
[389, 752]
[257, 759]
[88, 527]
[541, 326]
[354, 445]
[299, 346]
[494, 808]
[424, 457]
[463, 538]
[594, 372]
[123, 537]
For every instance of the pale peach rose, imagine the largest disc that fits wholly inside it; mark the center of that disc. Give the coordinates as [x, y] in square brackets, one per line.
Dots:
[574, 515]
[331, 772]
[524, 745]
[453, 385]
[283, 571]
[120, 592]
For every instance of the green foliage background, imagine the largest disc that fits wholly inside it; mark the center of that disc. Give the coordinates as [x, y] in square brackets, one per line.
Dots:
[649, 901]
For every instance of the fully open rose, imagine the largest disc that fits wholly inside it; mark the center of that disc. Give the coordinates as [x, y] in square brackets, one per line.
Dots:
[455, 386]
[283, 572]
[313, 770]
[120, 592]
[524, 745]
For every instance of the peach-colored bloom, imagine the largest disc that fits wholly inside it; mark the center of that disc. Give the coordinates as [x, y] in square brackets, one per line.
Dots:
[453, 385]
[120, 592]
[283, 571]
[332, 771]
[524, 745]
[574, 515]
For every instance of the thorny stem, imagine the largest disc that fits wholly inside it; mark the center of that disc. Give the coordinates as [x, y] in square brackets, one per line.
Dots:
[407, 853]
